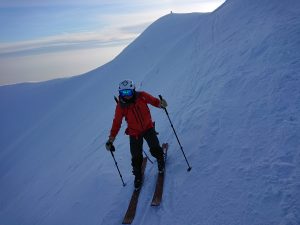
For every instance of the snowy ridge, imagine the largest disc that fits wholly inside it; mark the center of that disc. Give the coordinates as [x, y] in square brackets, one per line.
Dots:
[231, 79]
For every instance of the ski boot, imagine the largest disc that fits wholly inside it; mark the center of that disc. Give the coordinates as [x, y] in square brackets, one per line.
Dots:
[138, 181]
[161, 165]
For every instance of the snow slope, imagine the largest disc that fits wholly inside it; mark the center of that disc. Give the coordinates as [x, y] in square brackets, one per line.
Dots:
[231, 79]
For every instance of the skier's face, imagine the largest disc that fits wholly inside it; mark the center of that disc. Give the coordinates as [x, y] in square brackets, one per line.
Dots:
[127, 97]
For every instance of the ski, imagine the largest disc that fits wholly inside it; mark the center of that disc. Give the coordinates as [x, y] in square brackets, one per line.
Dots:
[129, 216]
[157, 196]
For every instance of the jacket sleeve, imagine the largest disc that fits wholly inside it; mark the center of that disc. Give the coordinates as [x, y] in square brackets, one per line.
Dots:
[117, 122]
[150, 99]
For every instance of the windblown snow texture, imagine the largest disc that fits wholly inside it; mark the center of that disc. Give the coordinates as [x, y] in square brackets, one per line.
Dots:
[231, 79]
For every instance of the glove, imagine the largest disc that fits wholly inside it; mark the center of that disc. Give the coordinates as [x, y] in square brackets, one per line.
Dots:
[109, 144]
[163, 103]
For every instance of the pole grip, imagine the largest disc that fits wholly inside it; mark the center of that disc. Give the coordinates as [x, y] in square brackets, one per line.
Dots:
[160, 97]
[112, 148]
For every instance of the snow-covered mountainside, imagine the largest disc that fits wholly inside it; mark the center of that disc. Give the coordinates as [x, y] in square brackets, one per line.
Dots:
[231, 79]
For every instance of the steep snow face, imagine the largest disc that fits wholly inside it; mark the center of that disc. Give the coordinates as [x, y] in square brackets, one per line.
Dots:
[231, 80]
[240, 108]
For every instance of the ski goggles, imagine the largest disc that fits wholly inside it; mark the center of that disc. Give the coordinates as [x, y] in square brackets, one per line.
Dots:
[126, 92]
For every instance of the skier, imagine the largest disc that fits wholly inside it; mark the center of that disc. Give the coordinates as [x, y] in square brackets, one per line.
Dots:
[133, 106]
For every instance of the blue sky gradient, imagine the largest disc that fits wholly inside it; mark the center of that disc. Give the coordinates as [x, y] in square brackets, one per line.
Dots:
[34, 32]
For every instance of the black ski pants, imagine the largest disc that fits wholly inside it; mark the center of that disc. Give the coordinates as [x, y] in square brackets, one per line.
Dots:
[136, 149]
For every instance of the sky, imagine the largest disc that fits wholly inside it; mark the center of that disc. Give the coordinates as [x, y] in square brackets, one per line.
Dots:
[42, 40]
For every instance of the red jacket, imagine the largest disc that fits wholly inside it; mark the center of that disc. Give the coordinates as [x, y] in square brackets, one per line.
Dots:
[137, 115]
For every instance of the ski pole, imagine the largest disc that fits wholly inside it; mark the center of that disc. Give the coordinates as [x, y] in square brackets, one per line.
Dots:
[112, 154]
[148, 157]
[189, 167]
